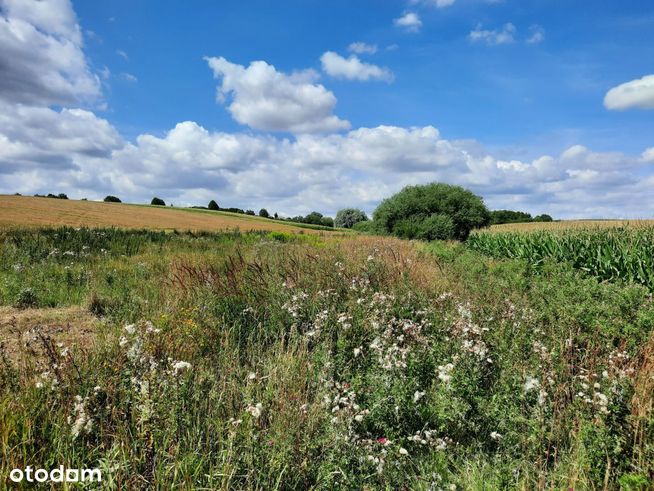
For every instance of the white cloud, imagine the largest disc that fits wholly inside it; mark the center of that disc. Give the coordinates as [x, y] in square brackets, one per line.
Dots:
[436, 3]
[537, 35]
[637, 93]
[73, 151]
[362, 48]
[353, 68]
[122, 54]
[409, 21]
[648, 155]
[41, 54]
[493, 37]
[128, 77]
[266, 99]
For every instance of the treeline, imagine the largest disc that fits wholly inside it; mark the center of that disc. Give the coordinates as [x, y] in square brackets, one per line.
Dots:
[509, 216]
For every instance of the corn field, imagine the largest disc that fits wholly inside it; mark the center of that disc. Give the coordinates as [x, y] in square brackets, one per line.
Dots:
[607, 253]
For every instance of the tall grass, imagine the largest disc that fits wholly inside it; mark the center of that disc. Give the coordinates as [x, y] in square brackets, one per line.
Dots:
[265, 361]
[606, 253]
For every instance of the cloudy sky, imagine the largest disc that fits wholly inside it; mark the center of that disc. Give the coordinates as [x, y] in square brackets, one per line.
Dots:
[545, 106]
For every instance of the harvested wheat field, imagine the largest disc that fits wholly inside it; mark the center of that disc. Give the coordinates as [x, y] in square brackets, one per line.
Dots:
[24, 211]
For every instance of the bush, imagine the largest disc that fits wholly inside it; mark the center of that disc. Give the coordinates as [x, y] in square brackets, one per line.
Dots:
[213, 205]
[264, 213]
[327, 221]
[112, 199]
[347, 217]
[367, 227]
[543, 218]
[250, 212]
[405, 212]
[26, 299]
[157, 202]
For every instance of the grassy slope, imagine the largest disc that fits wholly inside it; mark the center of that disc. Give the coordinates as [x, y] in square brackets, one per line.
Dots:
[321, 361]
[27, 211]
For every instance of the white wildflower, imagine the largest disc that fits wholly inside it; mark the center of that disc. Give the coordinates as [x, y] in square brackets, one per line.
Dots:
[130, 328]
[417, 395]
[530, 384]
[403, 451]
[495, 435]
[255, 410]
[181, 366]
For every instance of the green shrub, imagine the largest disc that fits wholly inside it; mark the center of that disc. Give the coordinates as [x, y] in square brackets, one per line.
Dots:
[157, 202]
[264, 213]
[26, 299]
[415, 204]
[112, 199]
[213, 205]
[367, 227]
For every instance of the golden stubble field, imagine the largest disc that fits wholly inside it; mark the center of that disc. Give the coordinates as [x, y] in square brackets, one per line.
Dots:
[27, 211]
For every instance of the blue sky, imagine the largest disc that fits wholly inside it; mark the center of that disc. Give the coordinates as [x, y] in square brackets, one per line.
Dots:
[502, 84]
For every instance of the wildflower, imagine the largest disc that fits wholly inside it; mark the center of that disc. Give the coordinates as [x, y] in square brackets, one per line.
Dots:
[530, 384]
[495, 435]
[444, 372]
[403, 451]
[82, 421]
[357, 351]
[130, 328]
[252, 376]
[417, 395]
[255, 410]
[180, 366]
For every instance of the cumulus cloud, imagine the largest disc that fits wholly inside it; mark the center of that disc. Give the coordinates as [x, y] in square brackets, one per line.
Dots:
[493, 37]
[353, 68]
[637, 93]
[74, 151]
[41, 56]
[361, 48]
[537, 35]
[410, 21]
[266, 99]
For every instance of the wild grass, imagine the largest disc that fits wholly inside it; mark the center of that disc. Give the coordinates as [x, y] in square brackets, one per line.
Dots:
[266, 361]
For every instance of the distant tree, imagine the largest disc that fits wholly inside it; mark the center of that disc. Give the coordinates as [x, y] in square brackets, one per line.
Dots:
[213, 206]
[264, 213]
[250, 212]
[84, 199]
[509, 216]
[327, 221]
[112, 199]
[347, 217]
[313, 218]
[62, 196]
[17, 194]
[276, 216]
[543, 218]
[158, 202]
[431, 211]
[50, 195]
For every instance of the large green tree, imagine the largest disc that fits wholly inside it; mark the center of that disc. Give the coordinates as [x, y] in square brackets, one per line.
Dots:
[347, 217]
[432, 211]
